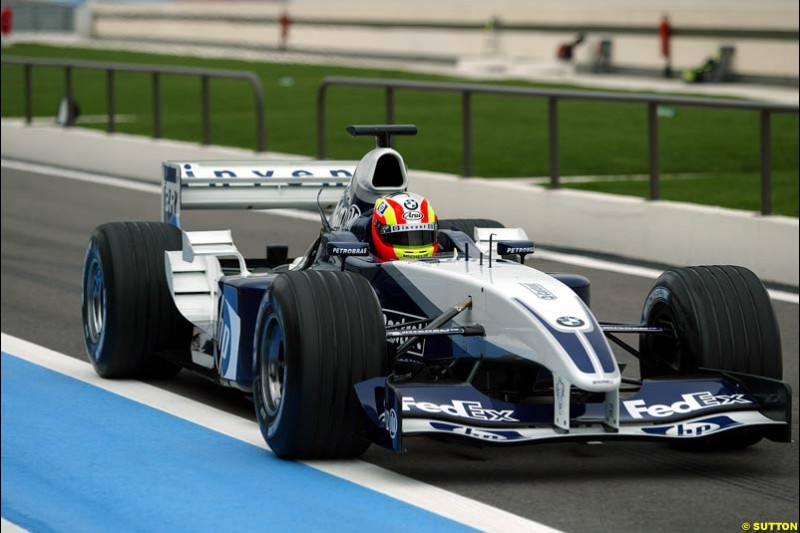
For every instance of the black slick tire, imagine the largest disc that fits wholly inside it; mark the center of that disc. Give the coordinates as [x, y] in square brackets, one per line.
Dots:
[318, 334]
[130, 322]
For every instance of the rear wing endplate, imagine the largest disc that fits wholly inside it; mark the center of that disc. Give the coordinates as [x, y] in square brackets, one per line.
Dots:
[251, 185]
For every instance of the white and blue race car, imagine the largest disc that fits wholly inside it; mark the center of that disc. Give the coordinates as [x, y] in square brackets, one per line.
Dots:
[339, 350]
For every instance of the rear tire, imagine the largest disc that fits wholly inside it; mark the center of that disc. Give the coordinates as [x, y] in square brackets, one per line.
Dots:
[129, 318]
[722, 319]
[318, 334]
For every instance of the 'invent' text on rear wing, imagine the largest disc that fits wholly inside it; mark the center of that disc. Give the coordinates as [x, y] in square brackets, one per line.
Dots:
[251, 185]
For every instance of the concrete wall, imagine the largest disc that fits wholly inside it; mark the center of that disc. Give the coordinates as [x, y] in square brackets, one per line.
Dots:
[665, 232]
[753, 56]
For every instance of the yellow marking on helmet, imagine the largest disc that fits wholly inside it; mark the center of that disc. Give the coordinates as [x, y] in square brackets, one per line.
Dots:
[390, 215]
[431, 214]
[413, 252]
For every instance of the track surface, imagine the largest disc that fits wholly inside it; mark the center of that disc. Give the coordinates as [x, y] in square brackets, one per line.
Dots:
[46, 223]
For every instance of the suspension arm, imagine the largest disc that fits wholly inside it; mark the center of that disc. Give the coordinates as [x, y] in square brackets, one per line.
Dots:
[435, 324]
[475, 330]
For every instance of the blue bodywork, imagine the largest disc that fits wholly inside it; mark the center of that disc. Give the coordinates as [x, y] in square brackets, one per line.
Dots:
[241, 299]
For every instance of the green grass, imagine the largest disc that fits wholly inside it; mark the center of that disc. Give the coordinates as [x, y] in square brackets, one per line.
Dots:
[510, 134]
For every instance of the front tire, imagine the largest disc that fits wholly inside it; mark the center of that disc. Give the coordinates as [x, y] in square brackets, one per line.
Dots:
[318, 334]
[129, 318]
[721, 318]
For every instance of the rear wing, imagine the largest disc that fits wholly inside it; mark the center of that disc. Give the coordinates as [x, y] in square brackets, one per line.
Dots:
[251, 185]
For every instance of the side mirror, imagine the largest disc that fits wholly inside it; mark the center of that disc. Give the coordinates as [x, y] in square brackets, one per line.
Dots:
[518, 248]
[347, 249]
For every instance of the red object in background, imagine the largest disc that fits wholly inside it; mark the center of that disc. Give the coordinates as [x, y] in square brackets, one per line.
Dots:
[5, 20]
[285, 22]
[664, 31]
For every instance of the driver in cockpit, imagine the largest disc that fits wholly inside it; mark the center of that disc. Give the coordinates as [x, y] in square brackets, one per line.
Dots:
[403, 226]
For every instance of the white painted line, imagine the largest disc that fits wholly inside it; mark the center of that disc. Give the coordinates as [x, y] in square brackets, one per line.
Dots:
[568, 259]
[453, 506]
[10, 527]
[598, 264]
[79, 175]
[633, 270]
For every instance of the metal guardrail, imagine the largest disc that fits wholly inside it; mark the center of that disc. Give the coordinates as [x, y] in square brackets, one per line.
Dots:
[155, 72]
[553, 96]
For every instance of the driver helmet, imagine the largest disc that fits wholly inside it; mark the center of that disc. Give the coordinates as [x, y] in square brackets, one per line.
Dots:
[404, 226]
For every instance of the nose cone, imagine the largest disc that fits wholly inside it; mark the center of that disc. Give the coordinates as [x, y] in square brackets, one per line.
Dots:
[525, 313]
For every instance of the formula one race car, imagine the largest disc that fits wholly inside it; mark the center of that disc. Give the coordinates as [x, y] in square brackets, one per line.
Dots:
[339, 349]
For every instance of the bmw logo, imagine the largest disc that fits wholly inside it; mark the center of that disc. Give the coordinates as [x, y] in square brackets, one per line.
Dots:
[570, 321]
[411, 204]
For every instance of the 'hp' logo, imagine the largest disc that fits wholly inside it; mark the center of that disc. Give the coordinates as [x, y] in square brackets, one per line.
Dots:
[391, 423]
[692, 429]
[570, 321]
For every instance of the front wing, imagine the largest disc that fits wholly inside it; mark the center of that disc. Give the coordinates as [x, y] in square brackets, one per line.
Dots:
[662, 409]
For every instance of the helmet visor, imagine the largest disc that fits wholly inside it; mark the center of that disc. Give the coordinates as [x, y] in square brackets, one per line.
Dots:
[410, 238]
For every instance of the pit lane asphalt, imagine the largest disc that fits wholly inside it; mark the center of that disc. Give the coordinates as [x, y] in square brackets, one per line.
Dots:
[46, 223]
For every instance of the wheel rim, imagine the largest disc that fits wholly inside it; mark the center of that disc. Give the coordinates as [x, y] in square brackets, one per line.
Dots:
[273, 368]
[95, 294]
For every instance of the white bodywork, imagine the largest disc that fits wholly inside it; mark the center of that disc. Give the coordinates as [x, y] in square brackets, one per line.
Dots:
[251, 185]
[497, 294]
[483, 236]
[365, 189]
[281, 184]
[193, 273]
[504, 304]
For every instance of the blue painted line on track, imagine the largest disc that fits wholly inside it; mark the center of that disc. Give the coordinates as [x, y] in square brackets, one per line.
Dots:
[78, 458]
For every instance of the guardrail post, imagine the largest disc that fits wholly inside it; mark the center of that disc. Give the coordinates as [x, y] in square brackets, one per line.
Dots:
[652, 150]
[110, 105]
[321, 93]
[466, 125]
[28, 93]
[389, 105]
[205, 109]
[156, 106]
[552, 128]
[261, 142]
[68, 89]
[766, 163]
